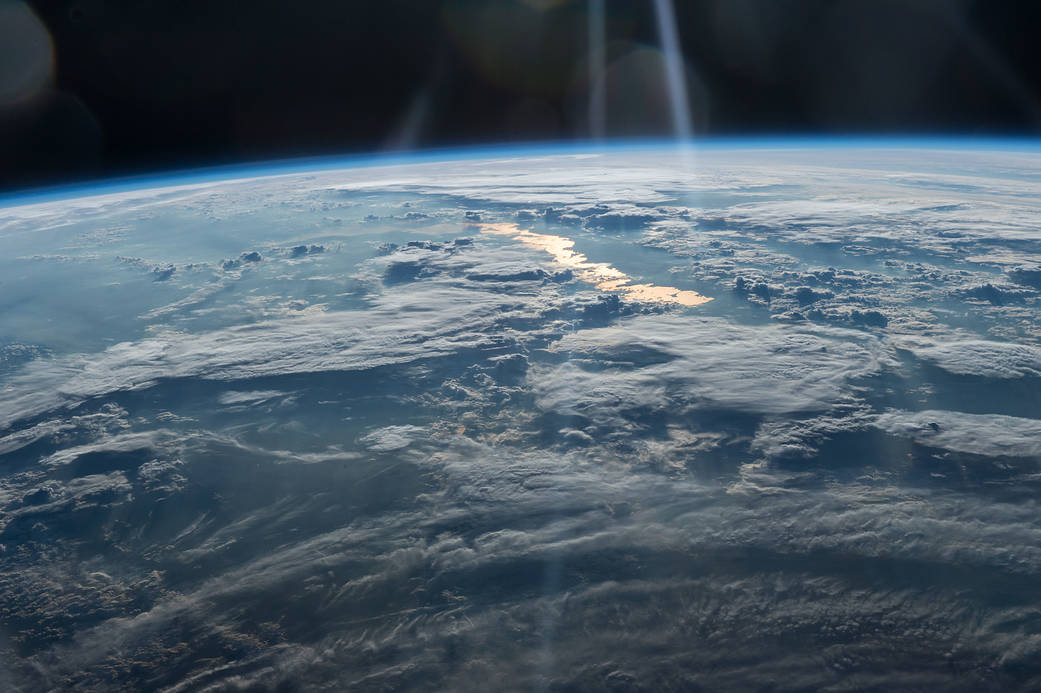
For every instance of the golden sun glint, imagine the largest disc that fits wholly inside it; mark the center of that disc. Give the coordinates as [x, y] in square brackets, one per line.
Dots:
[600, 274]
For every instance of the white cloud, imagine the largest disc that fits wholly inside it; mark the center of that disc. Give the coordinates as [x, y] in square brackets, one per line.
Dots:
[249, 397]
[390, 438]
[982, 358]
[705, 363]
[444, 549]
[991, 435]
[402, 326]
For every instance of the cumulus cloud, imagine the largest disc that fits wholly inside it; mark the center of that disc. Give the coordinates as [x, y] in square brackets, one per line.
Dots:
[439, 321]
[991, 435]
[85, 492]
[661, 363]
[801, 437]
[981, 358]
[108, 418]
[120, 443]
[390, 438]
[249, 397]
[599, 545]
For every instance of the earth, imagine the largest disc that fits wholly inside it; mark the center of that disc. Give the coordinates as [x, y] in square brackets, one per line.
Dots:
[753, 416]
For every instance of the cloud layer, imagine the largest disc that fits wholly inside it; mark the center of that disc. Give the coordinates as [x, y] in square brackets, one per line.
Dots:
[349, 441]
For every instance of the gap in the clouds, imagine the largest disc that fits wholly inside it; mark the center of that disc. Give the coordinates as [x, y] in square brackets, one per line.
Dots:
[846, 456]
[927, 386]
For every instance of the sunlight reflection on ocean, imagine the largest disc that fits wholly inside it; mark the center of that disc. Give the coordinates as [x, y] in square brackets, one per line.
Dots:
[602, 275]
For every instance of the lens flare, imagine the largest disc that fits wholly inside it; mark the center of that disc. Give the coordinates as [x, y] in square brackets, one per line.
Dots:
[26, 53]
[597, 60]
[674, 73]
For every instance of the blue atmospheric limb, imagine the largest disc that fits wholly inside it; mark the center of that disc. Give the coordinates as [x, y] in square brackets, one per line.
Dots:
[539, 148]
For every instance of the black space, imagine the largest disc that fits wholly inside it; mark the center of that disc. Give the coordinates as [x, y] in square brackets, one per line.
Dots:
[143, 85]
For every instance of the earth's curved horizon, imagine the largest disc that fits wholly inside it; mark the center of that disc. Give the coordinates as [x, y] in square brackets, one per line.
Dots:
[235, 170]
[731, 417]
